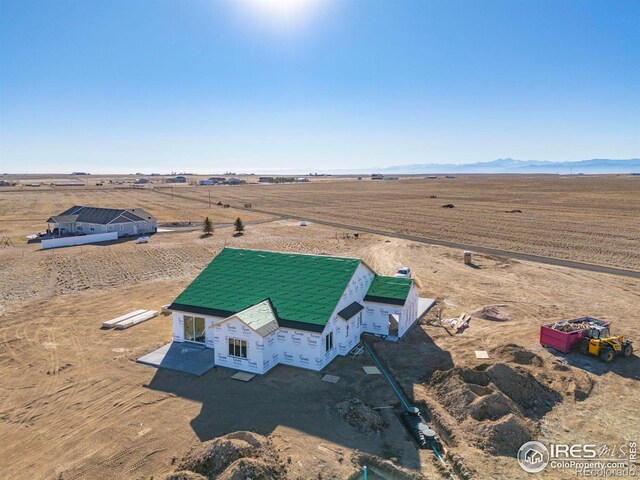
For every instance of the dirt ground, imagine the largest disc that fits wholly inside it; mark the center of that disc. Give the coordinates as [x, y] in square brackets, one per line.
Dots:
[592, 219]
[73, 396]
[23, 212]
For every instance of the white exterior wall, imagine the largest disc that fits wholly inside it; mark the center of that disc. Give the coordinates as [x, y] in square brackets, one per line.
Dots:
[209, 321]
[235, 328]
[409, 312]
[354, 292]
[377, 317]
[80, 240]
[300, 349]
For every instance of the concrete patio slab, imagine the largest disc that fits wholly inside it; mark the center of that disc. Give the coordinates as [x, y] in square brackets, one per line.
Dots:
[424, 305]
[371, 370]
[330, 378]
[183, 357]
[243, 376]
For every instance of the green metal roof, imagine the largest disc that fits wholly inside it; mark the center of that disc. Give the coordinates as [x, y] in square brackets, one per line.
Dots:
[389, 290]
[301, 288]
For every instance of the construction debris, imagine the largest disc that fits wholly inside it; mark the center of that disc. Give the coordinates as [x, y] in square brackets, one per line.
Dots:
[565, 326]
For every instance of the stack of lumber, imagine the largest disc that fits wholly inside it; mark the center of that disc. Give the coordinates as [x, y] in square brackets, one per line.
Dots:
[130, 322]
[112, 323]
[130, 319]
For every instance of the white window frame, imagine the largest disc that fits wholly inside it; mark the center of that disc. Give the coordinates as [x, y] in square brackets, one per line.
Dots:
[237, 348]
[328, 342]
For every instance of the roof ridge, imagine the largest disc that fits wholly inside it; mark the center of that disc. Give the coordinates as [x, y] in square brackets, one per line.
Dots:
[293, 253]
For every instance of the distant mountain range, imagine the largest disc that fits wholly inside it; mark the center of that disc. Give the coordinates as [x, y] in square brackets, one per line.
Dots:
[509, 165]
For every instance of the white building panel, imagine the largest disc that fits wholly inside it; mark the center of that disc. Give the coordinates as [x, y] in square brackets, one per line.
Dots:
[409, 312]
[236, 330]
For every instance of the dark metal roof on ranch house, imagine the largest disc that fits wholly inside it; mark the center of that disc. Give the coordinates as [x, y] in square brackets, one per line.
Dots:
[101, 216]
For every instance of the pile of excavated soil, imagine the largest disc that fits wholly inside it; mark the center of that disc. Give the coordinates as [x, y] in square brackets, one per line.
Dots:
[497, 406]
[495, 313]
[361, 416]
[238, 455]
[512, 353]
[504, 436]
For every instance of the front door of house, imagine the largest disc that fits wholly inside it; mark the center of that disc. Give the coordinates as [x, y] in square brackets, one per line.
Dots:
[193, 329]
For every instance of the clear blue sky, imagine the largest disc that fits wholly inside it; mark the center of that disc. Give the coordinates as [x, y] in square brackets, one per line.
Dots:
[253, 85]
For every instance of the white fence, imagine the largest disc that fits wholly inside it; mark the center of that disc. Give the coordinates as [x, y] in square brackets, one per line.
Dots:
[80, 240]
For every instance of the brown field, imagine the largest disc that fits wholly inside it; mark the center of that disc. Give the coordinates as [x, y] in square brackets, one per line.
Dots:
[26, 211]
[72, 396]
[592, 219]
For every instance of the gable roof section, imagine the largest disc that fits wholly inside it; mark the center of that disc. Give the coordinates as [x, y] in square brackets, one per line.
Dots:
[63, 219]
[260, 318]
[391, 290]
[350, 310]
[304, 289]
[104, 216]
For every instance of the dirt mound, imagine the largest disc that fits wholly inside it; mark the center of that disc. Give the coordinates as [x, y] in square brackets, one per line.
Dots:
[361, 416]
[495, 313]
[505, 436]
[534, 398]
[513, 353]
[185, 475]
[235, 456]
[252, 468]
[493, 404]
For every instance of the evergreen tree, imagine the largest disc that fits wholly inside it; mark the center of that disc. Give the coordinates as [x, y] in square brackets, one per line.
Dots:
[239, 225]
[208, 226]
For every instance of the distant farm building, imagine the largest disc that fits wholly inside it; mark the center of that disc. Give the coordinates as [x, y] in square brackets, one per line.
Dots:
[142, 181]
[377, 176]
[258, 309]
[79, 220]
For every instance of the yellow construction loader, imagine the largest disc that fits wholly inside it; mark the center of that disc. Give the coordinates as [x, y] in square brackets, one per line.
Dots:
[599, 342]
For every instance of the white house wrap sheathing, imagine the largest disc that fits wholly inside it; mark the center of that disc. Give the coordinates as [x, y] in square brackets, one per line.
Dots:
[130, 322]
[298, 348]
[79, 240]
[112, 323]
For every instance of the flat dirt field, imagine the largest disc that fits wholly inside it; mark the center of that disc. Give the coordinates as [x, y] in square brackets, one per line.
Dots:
[74, 404]
[592, 219]
[24, 212]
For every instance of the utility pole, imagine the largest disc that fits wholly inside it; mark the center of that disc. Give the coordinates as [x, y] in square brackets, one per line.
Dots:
[209, 197]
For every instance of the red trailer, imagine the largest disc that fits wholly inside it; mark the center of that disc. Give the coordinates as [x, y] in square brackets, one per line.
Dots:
[565, 335]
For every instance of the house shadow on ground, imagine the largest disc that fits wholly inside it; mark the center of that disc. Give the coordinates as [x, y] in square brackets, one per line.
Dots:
[298, 399]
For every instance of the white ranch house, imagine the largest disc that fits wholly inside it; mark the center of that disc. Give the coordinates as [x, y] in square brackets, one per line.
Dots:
[258, 309]
[79, 220]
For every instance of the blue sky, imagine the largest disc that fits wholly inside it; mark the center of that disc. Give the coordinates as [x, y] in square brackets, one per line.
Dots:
[254, 85]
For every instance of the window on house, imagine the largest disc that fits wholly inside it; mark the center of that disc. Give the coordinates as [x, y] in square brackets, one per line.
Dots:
[328, 342]
[237, 348]
[359, 321]
[347, 329]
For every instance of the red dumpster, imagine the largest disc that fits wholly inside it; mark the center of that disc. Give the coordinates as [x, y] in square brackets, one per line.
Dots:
[564, 341]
